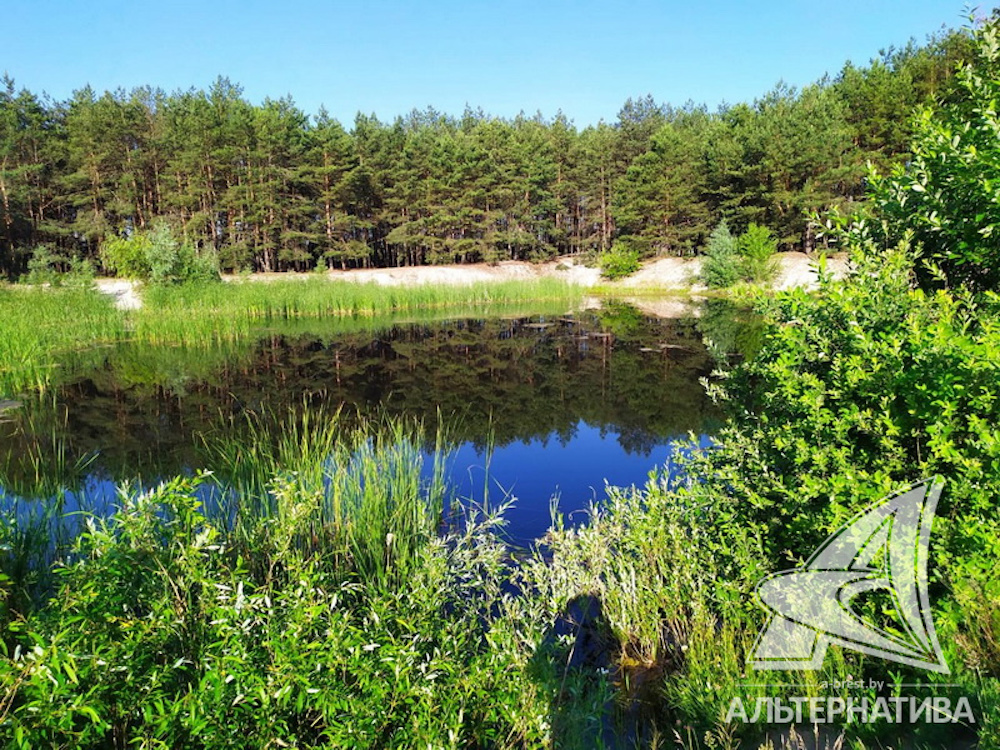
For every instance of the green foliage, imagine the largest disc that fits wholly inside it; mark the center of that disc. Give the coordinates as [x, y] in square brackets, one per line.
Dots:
[325, 563]
[854, 391]
[871, 381]
[44, 265]
[47, 266]
[756, 247]
[325, 611]
[946, 195]
[720, 267]
[620, 261]
[660, 198]
[173, 626]
[163, 631]
[127, 256]
[158, 257]
[747, 258]
[358, 491]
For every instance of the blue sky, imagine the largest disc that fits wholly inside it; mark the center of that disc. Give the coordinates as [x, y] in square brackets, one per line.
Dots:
[388, 57]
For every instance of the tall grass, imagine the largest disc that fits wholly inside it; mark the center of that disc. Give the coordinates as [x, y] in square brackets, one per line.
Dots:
[358, 493]
[35, 453]
[200, 313]
[45, 329]
[45, 332]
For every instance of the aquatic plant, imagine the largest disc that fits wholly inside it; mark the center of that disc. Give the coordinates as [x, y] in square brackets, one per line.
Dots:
[43, 330]
[202, 313]
[46, 332]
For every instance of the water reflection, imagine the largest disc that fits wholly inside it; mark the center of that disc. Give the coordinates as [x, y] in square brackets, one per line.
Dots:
[566, 403]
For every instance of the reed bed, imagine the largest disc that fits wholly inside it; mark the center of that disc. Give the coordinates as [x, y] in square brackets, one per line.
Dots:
[202, 313]
[357, 492]
[45, 329]
[45, 332]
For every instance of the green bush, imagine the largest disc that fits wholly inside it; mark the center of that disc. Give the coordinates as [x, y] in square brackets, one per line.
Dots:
[127, 256]
[945, 195]
[47, 266]
[756, 247]
[721, 266]
[159, 257]
[749, 257]
[856, 390]
[621, 261]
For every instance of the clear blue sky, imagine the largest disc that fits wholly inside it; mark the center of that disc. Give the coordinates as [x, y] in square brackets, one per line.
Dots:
[388, 56]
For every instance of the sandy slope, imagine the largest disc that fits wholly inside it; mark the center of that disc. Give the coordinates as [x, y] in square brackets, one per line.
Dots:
[796, 269]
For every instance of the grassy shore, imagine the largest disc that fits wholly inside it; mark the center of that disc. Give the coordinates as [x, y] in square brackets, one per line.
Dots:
[47, 330]
[189, 314]
[44, 329]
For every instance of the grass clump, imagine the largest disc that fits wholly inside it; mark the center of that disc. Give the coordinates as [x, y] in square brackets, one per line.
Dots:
[358, 493]
[202, 313]
[46, 329]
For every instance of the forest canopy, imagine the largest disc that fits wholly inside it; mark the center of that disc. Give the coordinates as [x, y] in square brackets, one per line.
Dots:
[268, 187]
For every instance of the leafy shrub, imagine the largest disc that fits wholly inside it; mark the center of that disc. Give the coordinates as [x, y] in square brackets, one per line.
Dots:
[621, 261]
[870, 383]
[946, 194]
[749, 257]
[855, 391]
[166, 629]
[159, 257]
[127, 256]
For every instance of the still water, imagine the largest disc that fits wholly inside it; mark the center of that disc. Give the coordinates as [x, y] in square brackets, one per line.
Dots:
[544, 411]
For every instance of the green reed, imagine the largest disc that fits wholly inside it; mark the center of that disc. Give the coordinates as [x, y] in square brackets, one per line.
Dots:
[46, 333]
[357, 493]
[43, 330]
[202, 313]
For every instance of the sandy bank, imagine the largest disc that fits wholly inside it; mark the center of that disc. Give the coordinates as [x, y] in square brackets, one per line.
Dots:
[795, 270]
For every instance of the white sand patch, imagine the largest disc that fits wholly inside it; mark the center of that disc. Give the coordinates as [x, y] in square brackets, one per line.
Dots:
[667, 273]
[124, 291]
[799, 270]
[795, 269]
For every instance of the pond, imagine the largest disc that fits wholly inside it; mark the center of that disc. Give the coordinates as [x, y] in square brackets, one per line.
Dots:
[543, 410]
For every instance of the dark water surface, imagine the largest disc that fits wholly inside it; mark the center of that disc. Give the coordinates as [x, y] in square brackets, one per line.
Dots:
[567, 404]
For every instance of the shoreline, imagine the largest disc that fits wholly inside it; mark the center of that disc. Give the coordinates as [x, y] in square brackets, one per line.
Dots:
[666, 276]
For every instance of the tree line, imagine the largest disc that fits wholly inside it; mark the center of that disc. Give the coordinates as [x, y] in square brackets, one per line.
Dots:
[267, 187]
